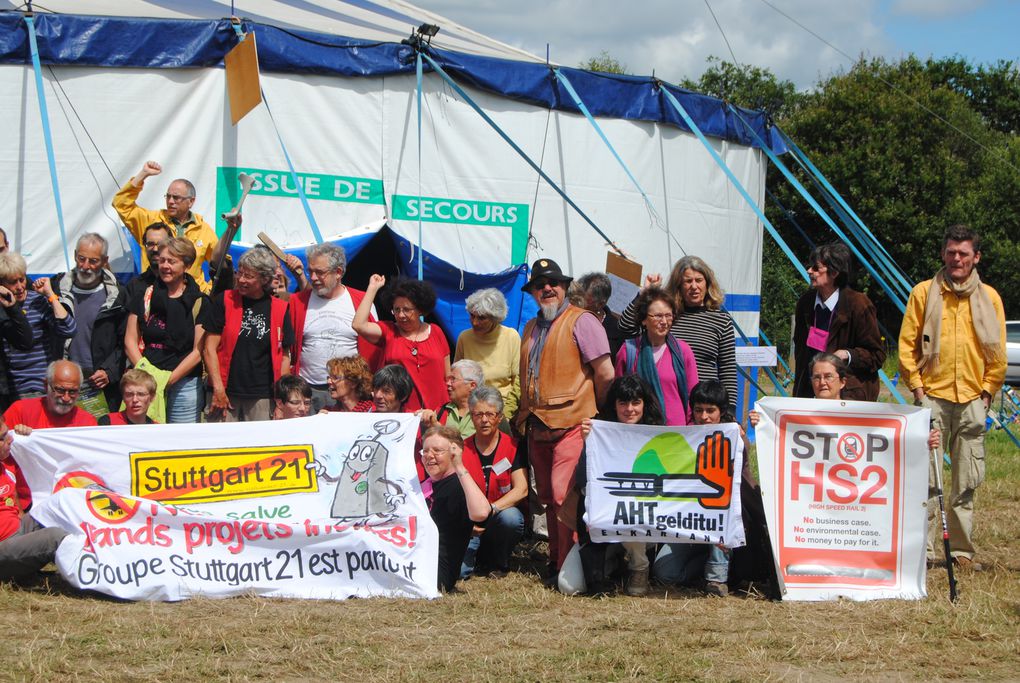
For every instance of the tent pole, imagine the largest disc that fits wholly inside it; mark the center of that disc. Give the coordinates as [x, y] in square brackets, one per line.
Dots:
[47, 134]
[421, 253]
[460, 91]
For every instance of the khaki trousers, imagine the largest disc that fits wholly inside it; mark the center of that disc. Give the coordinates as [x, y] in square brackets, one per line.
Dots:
[963, 437]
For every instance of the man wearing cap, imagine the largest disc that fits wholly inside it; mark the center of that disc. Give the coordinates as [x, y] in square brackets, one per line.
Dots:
[565, 371]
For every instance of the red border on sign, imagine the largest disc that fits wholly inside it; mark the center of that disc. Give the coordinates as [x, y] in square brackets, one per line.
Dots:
[856, 558]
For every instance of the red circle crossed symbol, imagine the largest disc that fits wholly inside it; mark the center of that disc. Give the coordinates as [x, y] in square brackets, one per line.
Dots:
[850, 447]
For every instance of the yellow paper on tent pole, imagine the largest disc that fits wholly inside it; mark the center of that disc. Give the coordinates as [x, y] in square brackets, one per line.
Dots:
[243, 88]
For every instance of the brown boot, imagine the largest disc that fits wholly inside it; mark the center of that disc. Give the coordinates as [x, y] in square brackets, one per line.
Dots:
[637, 583]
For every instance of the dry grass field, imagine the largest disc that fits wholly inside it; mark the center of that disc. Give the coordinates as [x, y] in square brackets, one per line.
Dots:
[513, 628]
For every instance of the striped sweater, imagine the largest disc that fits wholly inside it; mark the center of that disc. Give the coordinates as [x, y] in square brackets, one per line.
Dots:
[710, 336]
[28, 368]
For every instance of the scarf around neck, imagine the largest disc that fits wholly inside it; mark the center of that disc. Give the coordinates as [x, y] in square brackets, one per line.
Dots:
[986, 324]
[535, 352]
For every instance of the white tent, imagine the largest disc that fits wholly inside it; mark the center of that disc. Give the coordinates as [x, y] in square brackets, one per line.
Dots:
[130, 80]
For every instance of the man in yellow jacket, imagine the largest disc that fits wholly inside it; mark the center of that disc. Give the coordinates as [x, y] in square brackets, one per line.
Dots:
[953, 358]
[180, 197]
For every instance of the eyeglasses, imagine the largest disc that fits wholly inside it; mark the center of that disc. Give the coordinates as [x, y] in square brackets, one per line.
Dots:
[433, 451]
[541, 283]
[408, 310]
[132, 395]
[817, 267]
[828, 377]
[317, 272]
[63, 391]
[484, 415]
[335, 379]
[152, 245]
[176, 197]
[660, 316]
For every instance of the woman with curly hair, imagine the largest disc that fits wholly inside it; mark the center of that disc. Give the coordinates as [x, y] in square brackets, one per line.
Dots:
[350, 385]
[409, 341]
[700, 320]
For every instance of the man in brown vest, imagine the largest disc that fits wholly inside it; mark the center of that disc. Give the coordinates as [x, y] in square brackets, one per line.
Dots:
[565, 372]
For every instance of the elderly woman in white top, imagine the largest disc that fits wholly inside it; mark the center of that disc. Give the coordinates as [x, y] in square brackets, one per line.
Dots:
[493, 345]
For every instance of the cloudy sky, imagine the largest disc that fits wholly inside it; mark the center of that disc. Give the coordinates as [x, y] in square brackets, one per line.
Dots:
[674, 37]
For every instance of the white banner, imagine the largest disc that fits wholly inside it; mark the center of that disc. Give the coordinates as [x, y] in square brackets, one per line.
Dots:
[320, 507]
[844, 485]
[664, 484]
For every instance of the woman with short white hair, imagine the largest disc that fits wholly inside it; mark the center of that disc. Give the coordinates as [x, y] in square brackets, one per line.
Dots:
[496, 347]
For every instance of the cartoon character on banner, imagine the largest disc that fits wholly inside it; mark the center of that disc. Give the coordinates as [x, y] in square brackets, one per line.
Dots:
[363, 493]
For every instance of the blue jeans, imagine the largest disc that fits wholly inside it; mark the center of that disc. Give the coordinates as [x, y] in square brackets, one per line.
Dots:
[184, 401]
[684, 563]
[493, 547]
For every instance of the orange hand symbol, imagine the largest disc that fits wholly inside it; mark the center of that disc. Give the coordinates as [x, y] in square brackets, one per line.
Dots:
[714, 465]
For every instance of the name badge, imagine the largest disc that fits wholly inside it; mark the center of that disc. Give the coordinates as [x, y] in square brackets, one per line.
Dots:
[501, 466]
[817, 339]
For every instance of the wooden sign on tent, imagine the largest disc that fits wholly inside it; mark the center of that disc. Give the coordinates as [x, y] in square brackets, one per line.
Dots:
[625, 275]
[243, 88]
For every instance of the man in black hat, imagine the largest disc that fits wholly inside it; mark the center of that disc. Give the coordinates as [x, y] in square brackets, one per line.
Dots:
[565, 372]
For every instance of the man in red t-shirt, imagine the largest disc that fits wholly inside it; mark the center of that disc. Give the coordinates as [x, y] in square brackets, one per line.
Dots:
[57, 408]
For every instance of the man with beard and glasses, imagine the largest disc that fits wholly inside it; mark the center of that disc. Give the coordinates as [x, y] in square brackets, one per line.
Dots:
[98, 305]
[321, 317]
[565, 371]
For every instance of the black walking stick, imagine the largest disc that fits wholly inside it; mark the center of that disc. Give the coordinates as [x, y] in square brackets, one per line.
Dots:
[937, 464]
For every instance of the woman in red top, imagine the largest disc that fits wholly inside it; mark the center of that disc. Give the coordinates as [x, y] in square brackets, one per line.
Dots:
[419, 347]
[491, 458]
[138, 389]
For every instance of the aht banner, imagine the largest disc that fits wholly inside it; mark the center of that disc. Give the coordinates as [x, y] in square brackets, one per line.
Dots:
[320, 507]
[664, 484]
[845, 485]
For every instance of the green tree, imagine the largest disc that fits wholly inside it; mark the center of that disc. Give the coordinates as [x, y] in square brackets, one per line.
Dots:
[905, 173]
[605, 63]
[746, 86]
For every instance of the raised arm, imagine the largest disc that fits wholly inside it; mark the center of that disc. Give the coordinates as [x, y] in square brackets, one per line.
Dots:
[361, 324]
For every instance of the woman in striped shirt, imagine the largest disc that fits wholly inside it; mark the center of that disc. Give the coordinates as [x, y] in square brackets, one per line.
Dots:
[700, 320]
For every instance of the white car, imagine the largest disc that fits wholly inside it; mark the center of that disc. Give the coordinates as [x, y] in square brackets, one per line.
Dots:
[1013, 352]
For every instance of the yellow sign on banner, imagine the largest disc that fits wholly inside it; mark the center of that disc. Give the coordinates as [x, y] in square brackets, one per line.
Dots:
[204, 476]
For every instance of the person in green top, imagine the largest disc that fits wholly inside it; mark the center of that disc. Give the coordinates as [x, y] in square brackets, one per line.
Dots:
[464, 377]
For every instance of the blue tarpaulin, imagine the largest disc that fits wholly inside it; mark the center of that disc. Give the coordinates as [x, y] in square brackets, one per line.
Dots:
[86, 40]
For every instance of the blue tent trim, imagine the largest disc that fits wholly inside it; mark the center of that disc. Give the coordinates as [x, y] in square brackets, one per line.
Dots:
[85, 40]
